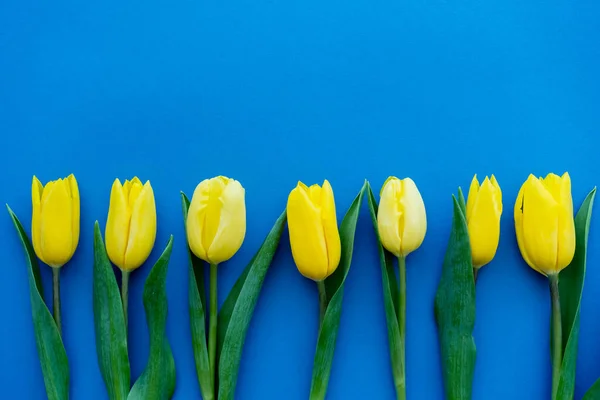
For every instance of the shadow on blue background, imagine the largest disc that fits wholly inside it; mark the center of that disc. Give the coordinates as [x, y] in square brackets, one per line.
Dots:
[273, 91]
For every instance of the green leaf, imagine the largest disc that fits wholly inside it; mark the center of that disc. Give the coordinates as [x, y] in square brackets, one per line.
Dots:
[571, 289]
[455, 311]
[335, 293]
[390, 298]
[109, 324]
[157, 382]
[236, 312]
[594, 392]
[197, 304]
[461, 202]
[53, 357]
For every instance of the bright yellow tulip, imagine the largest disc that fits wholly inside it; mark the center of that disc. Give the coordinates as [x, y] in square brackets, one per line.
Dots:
[401, 219]
[484, 208]
[216, 221]
[55, 220]
[131, 223]
[314, 235]
[544, 223]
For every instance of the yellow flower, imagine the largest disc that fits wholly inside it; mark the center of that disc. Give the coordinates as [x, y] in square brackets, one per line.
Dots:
[314, 235]
[131, 223]
[55, 220]
[401, 219]
[484, 208]
[216, 221]
[544, 223]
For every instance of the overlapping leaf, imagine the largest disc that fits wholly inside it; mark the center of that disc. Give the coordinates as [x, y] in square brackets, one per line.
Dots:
[390, 298]
[335, 293]
[455, 310]
[571, 289]
[157, 382]
[51, 351]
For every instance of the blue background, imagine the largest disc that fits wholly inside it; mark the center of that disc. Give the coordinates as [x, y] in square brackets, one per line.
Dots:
[275, 91]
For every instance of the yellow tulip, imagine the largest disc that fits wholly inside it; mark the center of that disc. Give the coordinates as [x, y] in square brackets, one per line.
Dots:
[314, 235]
[131, 223]
[484, 208]
[216, 221]
[401, 219]
[544, 223]
[55, 220]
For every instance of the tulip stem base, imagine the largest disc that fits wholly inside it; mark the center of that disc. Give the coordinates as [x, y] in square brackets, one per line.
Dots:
[401, 385]
[556, 334]
[212, 326]
[322, 301]
[56, 298]
[475, 272]
[125, 294]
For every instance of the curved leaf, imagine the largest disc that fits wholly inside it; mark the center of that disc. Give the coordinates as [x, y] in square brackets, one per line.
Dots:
[571, 290]
[594, 392]
[334, 285]
[53, 357]
[197, 304]
[236, 312]
[157, 382]
[455, 310]
[390, 298]
[109, 324]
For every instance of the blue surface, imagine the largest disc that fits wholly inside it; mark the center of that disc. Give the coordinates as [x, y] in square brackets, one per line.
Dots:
[272, 91]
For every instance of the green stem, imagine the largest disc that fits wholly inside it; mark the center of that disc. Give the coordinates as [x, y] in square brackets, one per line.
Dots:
[125, 293]
[212, 332]
[556, 334]
[322, 301]
[56, 298]
[401, 385]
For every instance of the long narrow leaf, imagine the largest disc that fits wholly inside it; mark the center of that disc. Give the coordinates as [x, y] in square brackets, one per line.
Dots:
[53, 357]
[236, 313]
[390, 298]
[594, 392]
[571, 290]
[157, 382]
[335, 292]
[109, 324]
[455, 311]
[197, 304]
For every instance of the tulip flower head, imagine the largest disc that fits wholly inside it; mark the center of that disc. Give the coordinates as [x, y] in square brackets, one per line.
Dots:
[544, 223]
[55, 220]
[484, 208]
[314, 235]
[131, 223]
[216, 221]
[401, 219]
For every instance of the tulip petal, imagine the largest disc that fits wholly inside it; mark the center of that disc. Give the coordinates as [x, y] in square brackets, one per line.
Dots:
[36, 216]
[142, 228]
[330, 227]
[211, 210]
[540, 226]
[232, 224]
[415, 218]
[484, 225]
[518, 213]
[389, 216]
[56, 226]
[117, 224]
[307, 236]
[473, 190]
[75, 209]
[195, 220]
[566, 225]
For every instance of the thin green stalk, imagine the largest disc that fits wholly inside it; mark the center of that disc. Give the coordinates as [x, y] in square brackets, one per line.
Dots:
[56, 298]
[556, 334]
[125, 293]
[401, 386]
[322, 301]
[212, 327]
